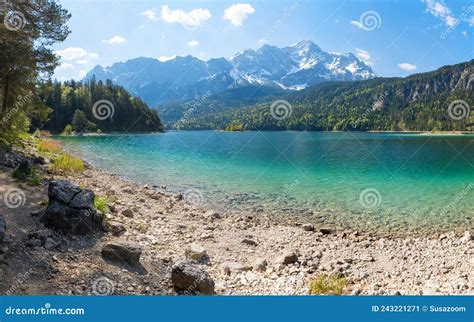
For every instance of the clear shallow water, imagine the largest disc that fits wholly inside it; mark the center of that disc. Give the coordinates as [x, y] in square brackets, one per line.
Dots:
[391, 181]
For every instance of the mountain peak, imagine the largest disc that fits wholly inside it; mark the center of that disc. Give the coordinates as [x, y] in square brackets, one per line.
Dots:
[293, 67]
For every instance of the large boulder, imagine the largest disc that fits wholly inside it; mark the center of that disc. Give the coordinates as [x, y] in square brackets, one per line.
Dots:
[3, 227]
[188, 277]
[122, 251]
[71, 209]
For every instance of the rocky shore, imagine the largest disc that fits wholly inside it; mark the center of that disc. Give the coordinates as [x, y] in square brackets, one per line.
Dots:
[154, 242]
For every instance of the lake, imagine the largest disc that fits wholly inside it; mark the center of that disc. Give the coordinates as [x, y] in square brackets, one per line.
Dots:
[349, 179]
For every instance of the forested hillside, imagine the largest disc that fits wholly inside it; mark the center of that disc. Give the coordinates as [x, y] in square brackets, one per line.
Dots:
[95, 106]
[422, 102]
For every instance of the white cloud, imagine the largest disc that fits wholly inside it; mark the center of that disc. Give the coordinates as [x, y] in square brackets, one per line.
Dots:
[82, 62]
[238, 13]
[82, 73]
[364, 55]
[66, 66]
[74, 53]
[438, 9]
[166, 58]
[262, 41]
[407, 67]
[193, 43]
[115, 40]
[356, 23]
[151, 14]
[189, 20]
[464, 33]
[471, 21]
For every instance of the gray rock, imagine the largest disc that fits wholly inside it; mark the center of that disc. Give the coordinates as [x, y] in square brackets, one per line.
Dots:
[127, 213]
[187, 276]
[212, 215]
[231, 268]
[288, 258]
[84, 199]
[62, 191]
[114, 227]
[326, 231]
[3, 227]
[368, 259]
[465, 238]
[308, 227]
[260, 265]
[50, 243]
[122, 251]
[249, 242]
[196, 252]
[71, 210]
[41, 234]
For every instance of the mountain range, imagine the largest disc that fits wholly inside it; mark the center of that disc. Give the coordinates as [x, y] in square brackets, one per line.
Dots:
[439, 100]
[290, 68]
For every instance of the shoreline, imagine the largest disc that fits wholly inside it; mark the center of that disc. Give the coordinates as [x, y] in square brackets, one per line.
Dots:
[245, 254]
[425, 133]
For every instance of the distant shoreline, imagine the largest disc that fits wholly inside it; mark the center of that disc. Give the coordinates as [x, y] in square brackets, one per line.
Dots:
[424, 133]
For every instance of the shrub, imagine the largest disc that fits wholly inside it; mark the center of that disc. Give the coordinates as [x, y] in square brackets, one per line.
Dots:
[67, 130]
[49, 146]
[333, 284]
[68, 163]
[100, 203]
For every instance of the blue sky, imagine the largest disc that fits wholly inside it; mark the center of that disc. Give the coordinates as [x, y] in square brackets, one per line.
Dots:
[396, 37]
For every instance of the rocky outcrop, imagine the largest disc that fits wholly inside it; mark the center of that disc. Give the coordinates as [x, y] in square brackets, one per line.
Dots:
[122, 251]
[71, 209]
[188, 277]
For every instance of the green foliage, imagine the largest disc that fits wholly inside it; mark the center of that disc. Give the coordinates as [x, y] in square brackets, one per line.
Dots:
[26, 56]
[33, 176]
[418, 103]
[100, 203]
[333, 284]
[80, 123]
[234, 127]
[72, 103]
[68, 164]
[67, 130]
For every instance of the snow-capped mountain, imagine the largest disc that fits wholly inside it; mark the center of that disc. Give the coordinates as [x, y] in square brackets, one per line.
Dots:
[182, 78]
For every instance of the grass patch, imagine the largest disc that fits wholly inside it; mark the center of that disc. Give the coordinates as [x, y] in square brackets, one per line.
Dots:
[49, 146]
[32, 177]
[68, 163]
[100, 203]
[333, 284]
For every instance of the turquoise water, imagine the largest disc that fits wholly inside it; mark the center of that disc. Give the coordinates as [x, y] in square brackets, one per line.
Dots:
[345, 179]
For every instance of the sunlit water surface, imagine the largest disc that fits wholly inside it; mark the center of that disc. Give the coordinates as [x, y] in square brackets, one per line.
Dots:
[385, 181]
